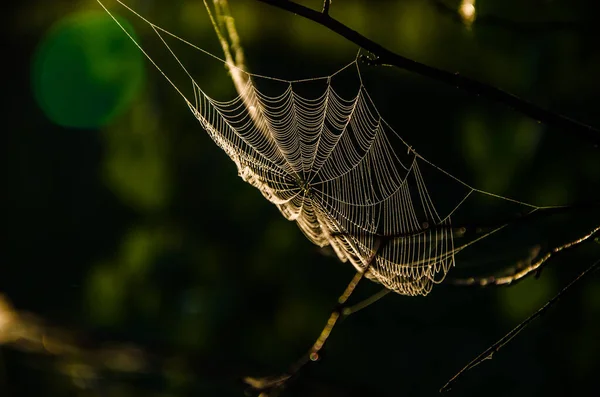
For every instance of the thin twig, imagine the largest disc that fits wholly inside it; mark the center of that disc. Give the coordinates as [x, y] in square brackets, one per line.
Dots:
[326, 4]
[272, 386]
[387, 57]
[522, 272]
[364, 303]
[489, 352]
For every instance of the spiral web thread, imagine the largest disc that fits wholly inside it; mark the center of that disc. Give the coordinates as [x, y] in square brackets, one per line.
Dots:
[339, 170]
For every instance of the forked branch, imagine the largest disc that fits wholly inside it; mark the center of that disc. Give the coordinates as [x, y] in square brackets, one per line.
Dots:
[383, 56]
[272, 386]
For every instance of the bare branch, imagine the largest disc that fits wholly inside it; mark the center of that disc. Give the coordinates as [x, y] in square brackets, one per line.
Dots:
[387, 57]
[489, 352]
[272, 386]
[522, 271]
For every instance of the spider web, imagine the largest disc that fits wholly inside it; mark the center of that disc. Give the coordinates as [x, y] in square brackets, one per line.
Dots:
[332, 164]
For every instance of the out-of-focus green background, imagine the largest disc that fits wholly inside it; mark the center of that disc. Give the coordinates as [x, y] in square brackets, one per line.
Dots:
[125, 224]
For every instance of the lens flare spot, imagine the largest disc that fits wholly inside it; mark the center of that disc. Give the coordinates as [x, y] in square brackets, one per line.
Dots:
[86, 70]
[467, 11]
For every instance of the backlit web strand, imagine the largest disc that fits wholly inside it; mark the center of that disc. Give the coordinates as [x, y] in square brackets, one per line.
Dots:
[332, 164]
[328, 164]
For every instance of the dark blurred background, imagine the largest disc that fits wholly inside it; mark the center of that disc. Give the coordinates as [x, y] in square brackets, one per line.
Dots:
[138, 264]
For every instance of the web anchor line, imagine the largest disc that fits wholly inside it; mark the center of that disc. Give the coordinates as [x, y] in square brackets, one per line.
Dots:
[461, 229]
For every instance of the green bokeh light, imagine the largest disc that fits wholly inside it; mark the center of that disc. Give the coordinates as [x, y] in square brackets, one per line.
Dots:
[86, 70]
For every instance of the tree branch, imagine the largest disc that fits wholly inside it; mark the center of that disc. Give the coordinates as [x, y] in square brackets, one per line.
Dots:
[272, 386]
[385, 56]
[522, 271]
[489, 352]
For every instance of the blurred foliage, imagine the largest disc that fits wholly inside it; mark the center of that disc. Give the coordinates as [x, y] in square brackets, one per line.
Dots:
[136, 165]
[133, 226]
